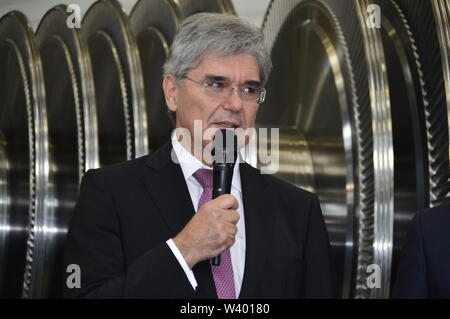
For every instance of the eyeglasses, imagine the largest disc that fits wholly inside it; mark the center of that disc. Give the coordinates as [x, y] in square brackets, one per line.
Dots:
[223, 89]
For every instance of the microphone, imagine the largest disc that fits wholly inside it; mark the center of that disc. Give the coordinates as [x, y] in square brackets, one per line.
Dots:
[224, 154]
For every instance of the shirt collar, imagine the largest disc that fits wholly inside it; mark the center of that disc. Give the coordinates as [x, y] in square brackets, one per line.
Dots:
[190, 164]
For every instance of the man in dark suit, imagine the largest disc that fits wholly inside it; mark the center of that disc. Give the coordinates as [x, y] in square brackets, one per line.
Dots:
[424, 267]
[147, 228]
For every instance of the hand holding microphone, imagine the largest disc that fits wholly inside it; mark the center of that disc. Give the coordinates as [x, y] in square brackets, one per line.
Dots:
[213, 228]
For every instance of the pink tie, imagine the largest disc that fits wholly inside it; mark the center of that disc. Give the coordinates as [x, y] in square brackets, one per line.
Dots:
[223, 274]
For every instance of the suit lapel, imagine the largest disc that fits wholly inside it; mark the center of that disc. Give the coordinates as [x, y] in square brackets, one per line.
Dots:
[168, 190]
[259, 220]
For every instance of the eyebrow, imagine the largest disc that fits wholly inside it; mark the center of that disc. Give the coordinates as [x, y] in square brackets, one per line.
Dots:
[212, 77]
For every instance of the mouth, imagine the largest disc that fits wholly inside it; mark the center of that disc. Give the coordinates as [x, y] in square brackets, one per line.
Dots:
[226, 124]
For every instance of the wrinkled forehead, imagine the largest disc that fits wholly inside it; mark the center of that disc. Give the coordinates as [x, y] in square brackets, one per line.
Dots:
[241, 67]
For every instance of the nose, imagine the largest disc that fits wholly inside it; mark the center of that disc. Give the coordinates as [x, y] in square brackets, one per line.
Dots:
[233, 102]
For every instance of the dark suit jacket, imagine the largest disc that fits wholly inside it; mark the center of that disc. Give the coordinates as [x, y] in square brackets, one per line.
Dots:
[424, 267]
[126, 212]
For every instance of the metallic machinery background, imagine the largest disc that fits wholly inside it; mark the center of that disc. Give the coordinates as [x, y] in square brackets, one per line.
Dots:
[363, 114]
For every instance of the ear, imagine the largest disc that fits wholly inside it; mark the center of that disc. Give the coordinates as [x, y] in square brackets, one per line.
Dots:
[170, 88]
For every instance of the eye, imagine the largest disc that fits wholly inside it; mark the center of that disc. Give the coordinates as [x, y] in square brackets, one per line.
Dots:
[249, 90]
[216, 85]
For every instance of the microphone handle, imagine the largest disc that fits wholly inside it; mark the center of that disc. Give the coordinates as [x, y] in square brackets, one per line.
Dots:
[222, 177]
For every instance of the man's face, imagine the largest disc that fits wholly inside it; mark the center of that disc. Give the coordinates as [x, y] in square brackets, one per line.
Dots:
[190, 101]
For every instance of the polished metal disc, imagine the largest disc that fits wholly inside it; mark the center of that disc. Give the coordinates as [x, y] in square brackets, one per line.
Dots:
[414, 143]
[154, 24]
[190, 7]
[73, 144]
[228, 7]
[425, 28]
[358, 96]
[26, 191]
[312, 95]
[121, 116]
[441, 10]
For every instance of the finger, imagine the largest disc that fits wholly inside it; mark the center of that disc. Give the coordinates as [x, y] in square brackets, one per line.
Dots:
[229, 228]
[226, 201]
[231, 216]
[227, 244]
[231, 240]
[232, 230]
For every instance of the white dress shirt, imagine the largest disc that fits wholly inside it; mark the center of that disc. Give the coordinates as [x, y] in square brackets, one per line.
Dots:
[189, 165]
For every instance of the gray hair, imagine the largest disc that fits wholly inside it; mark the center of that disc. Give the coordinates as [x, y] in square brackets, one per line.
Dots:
[214, 32]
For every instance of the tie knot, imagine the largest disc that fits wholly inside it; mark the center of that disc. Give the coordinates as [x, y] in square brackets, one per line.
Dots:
[204, 177]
